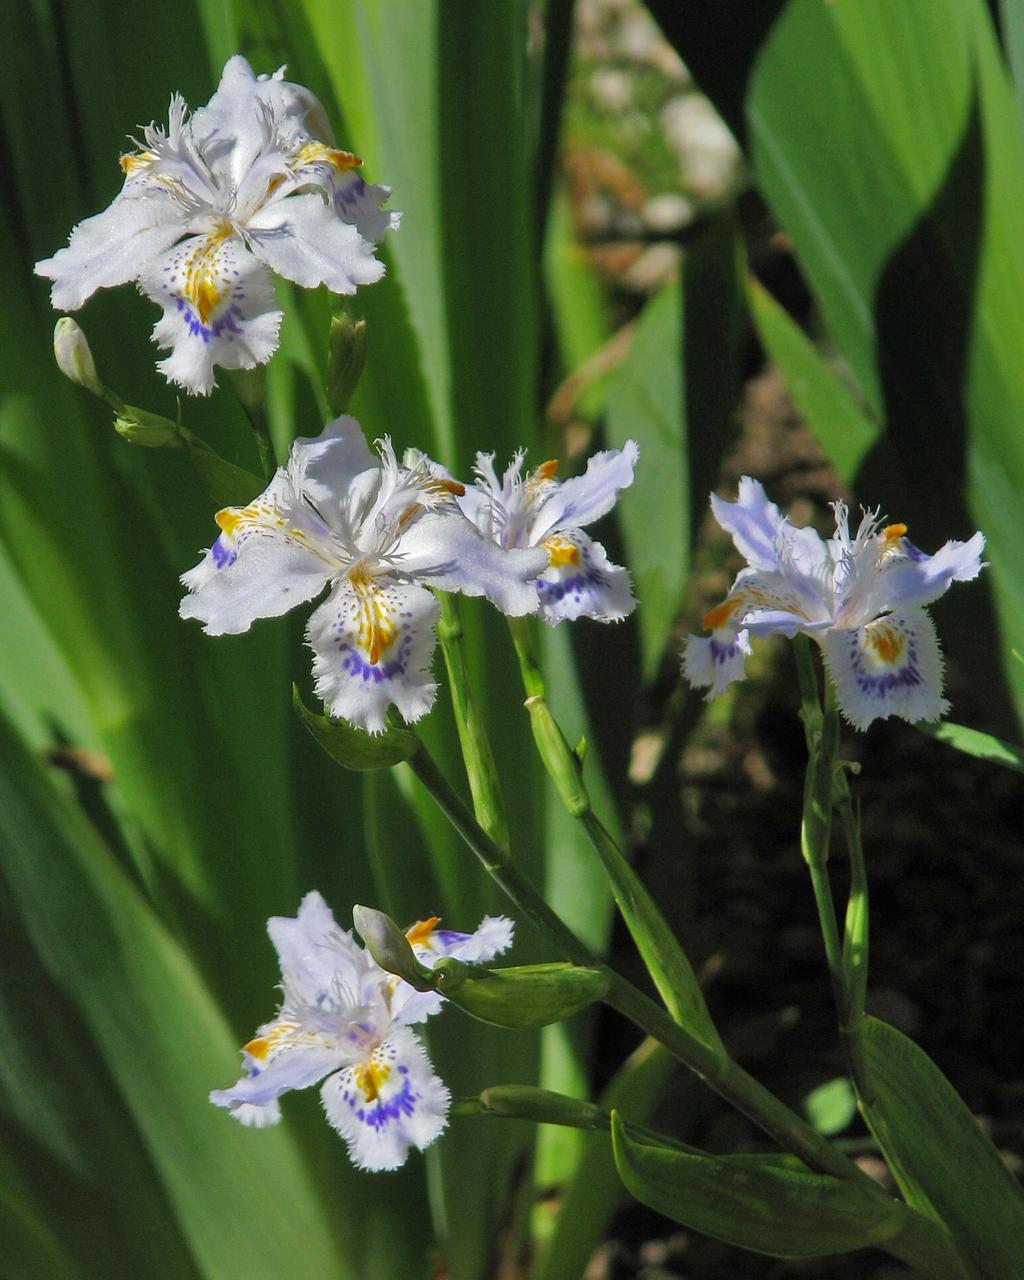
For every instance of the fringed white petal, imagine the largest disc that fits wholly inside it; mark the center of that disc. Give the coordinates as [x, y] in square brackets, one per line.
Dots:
[304, 240]
[113, 247]
[324, 466]
[373, 640]
[282, 1056]
[251, 1114]
[584, 499]
[315, 954]
[269, 557]
[445, 549]
[752, 521]
[385, 1105]
[219, 309]
[715, 661]
[581, 582]
[892, 667]
[359, 202]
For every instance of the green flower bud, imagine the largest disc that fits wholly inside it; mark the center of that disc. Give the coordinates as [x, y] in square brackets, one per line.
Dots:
[523, 1102]
[346, 355]
[532, 995]
[389, 946]
[74, 358]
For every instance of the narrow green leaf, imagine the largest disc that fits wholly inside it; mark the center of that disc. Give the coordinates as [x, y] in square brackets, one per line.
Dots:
[754, 1203]
[944, 1163]
[243, 1198]
[844, 430]
[352, 747]
[646, 403]
[972, 742]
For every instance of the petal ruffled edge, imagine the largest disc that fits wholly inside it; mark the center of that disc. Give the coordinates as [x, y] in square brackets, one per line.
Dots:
[389, 1104]
[891, 667]
[581, 582]
[373, 643]
[714, 662]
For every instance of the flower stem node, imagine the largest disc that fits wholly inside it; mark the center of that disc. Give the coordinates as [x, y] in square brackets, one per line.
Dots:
[151, 430]
[527, 996]
[390, 948]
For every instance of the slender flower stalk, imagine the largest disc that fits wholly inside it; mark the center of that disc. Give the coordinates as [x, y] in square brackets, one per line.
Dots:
[726, 1077]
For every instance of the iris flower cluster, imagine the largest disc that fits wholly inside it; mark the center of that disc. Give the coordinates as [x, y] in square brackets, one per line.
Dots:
[252, 184]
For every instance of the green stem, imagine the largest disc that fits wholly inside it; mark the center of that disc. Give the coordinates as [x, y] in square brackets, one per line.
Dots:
[665, 959]
[847, 967]
[488, 801]
[724, 1076]
[250, 387]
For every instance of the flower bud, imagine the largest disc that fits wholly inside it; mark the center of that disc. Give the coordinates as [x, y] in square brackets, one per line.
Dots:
[346, 355]
[74, 359]
[389, 946]
[532, 995]
[524, 1102]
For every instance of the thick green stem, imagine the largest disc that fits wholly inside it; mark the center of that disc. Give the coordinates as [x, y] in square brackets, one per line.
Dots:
[484, 786]
[724, 1076]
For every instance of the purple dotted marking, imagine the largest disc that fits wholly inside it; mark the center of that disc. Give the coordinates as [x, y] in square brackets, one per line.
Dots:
[721, 653]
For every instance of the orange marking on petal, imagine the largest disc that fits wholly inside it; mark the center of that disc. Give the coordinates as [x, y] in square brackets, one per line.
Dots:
[422, 929]
[892, 533]
[229, 518]
[376, 629]
[257, 1048]
[546, 470]
[887, 643]
[135, 160]
[721, 613]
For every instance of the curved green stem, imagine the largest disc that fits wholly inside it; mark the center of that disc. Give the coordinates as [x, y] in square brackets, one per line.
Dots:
[723, 1076]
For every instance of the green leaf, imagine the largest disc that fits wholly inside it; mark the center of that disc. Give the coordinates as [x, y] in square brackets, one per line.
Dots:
[844, 430]
[646, 403]
[243, 1199]
[972, 742]
[945, 1165]
[352, 747]
[754, 1202]
[531, 995]
[831, 1106]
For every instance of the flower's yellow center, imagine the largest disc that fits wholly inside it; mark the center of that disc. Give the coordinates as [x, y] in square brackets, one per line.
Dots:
[375, 627]
[887, 643]
[422, 929]
[371, 1079]
[561, 552]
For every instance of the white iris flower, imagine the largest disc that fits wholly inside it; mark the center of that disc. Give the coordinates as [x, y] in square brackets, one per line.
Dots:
[379, 534]
[342, 1017]
[540, 511]
[861, 598]
[214, 204]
